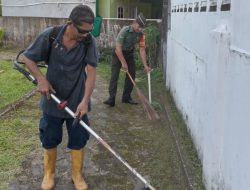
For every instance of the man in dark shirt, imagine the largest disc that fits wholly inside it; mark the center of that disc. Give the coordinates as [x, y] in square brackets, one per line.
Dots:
[124, 57]
[69, 56]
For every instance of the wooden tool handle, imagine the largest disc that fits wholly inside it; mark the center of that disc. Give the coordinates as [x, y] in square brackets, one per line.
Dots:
[131, 78]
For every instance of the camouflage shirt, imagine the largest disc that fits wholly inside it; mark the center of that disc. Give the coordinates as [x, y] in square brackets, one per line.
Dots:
[127, 37]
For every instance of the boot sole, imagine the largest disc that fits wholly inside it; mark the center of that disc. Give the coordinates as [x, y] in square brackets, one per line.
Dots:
[74, 185]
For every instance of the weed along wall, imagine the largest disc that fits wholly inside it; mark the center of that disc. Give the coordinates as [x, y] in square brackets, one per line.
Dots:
[207, 71]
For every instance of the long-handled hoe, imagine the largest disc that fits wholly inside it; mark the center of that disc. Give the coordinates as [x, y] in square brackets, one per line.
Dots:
[147, 186]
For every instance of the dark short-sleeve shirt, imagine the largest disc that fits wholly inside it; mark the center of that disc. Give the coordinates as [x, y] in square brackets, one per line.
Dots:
[66, 69]
[127, 37]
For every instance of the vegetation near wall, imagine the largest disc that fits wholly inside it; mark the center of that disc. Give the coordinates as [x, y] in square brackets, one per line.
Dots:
[152, 44]
[152, 34]
[1, 36]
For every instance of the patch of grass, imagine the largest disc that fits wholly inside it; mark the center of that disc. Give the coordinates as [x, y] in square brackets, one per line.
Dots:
[161, 100]
[161, 97]
[17, 131]
[1, 33]
[8, 47]
[189, 152]
[18, 136]
[104, 69]
[13, 84]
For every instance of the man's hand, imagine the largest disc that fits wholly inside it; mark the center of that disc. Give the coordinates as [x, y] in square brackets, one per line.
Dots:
[125, 67]
[82, 109]
[119, 53]
[45, 88]
[147, 69]
[43, 85]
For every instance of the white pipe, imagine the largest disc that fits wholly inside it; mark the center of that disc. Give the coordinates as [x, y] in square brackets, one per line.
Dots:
[149, 88]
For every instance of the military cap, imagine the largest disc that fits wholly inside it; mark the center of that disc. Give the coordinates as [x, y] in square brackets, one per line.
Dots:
[141, 20]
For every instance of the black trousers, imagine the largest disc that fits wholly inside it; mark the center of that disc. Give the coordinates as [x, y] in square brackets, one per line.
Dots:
[115, 71]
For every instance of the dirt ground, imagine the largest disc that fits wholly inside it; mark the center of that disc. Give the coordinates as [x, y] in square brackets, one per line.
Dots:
[149, 147]
[9, 53]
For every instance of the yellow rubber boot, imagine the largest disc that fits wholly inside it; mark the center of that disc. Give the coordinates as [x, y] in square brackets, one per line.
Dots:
[49, 169]
[77, 165]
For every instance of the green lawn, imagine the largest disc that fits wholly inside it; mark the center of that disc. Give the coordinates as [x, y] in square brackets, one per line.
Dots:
[13, 85]
[16, 132]
[104, 70]
[18, 136]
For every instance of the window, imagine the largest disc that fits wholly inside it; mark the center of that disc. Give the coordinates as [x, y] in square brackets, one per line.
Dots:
[120, 12]
[226, 5]
[213, 6]
[203, 6]
[196, 7]
[190, 7]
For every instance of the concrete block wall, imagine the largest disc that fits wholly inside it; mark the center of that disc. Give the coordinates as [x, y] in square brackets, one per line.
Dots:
[207, 71]
[22, 31]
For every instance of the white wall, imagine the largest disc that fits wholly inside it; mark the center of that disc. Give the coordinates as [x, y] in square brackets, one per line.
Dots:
[42, 8]
[208, 72]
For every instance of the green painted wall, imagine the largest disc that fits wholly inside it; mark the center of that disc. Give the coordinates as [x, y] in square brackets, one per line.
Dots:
[146, 9]
[157, 9]
[108, 8]
[128, 6]
[104, 8]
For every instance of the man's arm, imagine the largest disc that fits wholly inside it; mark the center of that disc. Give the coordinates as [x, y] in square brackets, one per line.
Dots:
[118, 51]
[144, 59]
[89, 87]
[43, 86]
[142, 46]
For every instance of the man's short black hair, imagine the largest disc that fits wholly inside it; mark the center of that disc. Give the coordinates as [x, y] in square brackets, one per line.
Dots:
[82, 13]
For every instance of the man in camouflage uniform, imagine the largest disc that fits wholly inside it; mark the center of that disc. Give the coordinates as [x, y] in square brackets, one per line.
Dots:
[123, 57]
